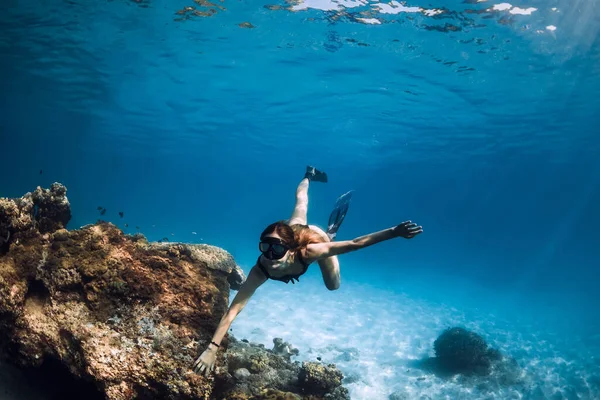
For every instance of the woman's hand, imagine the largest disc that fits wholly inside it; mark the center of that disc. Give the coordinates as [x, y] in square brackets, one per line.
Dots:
[407, 230]
[205, 364]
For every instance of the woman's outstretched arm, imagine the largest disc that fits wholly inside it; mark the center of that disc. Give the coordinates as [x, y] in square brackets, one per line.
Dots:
[318, 251]
[205, 363]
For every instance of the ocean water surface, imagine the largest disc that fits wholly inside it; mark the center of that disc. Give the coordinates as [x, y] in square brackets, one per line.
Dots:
[476, 119]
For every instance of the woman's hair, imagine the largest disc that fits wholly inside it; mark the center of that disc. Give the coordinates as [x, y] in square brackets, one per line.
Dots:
[296, 236]
[285, 232]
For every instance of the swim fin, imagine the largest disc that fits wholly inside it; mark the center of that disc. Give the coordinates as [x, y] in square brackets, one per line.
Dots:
[338, 214]
[315, 175]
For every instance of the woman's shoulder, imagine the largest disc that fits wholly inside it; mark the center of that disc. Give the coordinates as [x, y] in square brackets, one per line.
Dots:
[302, 258]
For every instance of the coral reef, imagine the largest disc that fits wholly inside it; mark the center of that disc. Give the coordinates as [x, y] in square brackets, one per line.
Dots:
[252, 372]
[128, 317]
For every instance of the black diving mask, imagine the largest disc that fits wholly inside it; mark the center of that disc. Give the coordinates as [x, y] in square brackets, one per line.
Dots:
[273, 248]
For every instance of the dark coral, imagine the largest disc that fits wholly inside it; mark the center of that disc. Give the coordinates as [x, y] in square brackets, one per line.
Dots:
[466, 354]
[463, 352]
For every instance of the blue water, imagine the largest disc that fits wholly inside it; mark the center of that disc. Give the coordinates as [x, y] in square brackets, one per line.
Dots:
[483, 129]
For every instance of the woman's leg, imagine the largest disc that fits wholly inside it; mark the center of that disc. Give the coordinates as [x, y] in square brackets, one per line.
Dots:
[330, 269]
[299, 216]
[330, 266]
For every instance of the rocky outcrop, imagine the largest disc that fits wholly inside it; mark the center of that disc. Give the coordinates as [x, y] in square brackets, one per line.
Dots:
[127, 316]
[211, 256]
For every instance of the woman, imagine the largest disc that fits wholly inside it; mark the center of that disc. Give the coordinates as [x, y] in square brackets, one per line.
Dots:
[288, 248]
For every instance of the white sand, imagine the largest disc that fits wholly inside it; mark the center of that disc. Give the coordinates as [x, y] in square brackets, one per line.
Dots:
[372, 334]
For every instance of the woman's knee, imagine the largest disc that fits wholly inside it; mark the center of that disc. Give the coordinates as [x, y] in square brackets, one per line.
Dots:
[332, 282]
[330, 269]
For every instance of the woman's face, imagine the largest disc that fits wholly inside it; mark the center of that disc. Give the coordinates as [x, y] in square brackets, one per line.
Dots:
[274, 263]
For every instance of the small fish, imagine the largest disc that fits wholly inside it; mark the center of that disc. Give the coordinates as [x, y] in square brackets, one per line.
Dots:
[121, 214]
[41, 171]
[194, 233]
[126, 226]
[99, 208]
[172, 234]
[103, 211]
[137, 227]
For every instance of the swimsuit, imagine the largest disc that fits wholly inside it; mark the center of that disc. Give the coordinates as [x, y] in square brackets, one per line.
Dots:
[285, 278]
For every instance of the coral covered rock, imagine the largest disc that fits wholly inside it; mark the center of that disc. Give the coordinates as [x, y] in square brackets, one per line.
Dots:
[253, 372]
[127, 316]
[211, 256]
[44, 210]
[115, 312]
[284, 349]
[52, 210]
[319, 379]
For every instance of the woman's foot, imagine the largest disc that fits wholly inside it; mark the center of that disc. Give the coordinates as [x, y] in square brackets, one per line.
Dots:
[313, 174]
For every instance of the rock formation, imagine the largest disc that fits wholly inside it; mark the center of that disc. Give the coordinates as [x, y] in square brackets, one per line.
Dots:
[127, 316]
